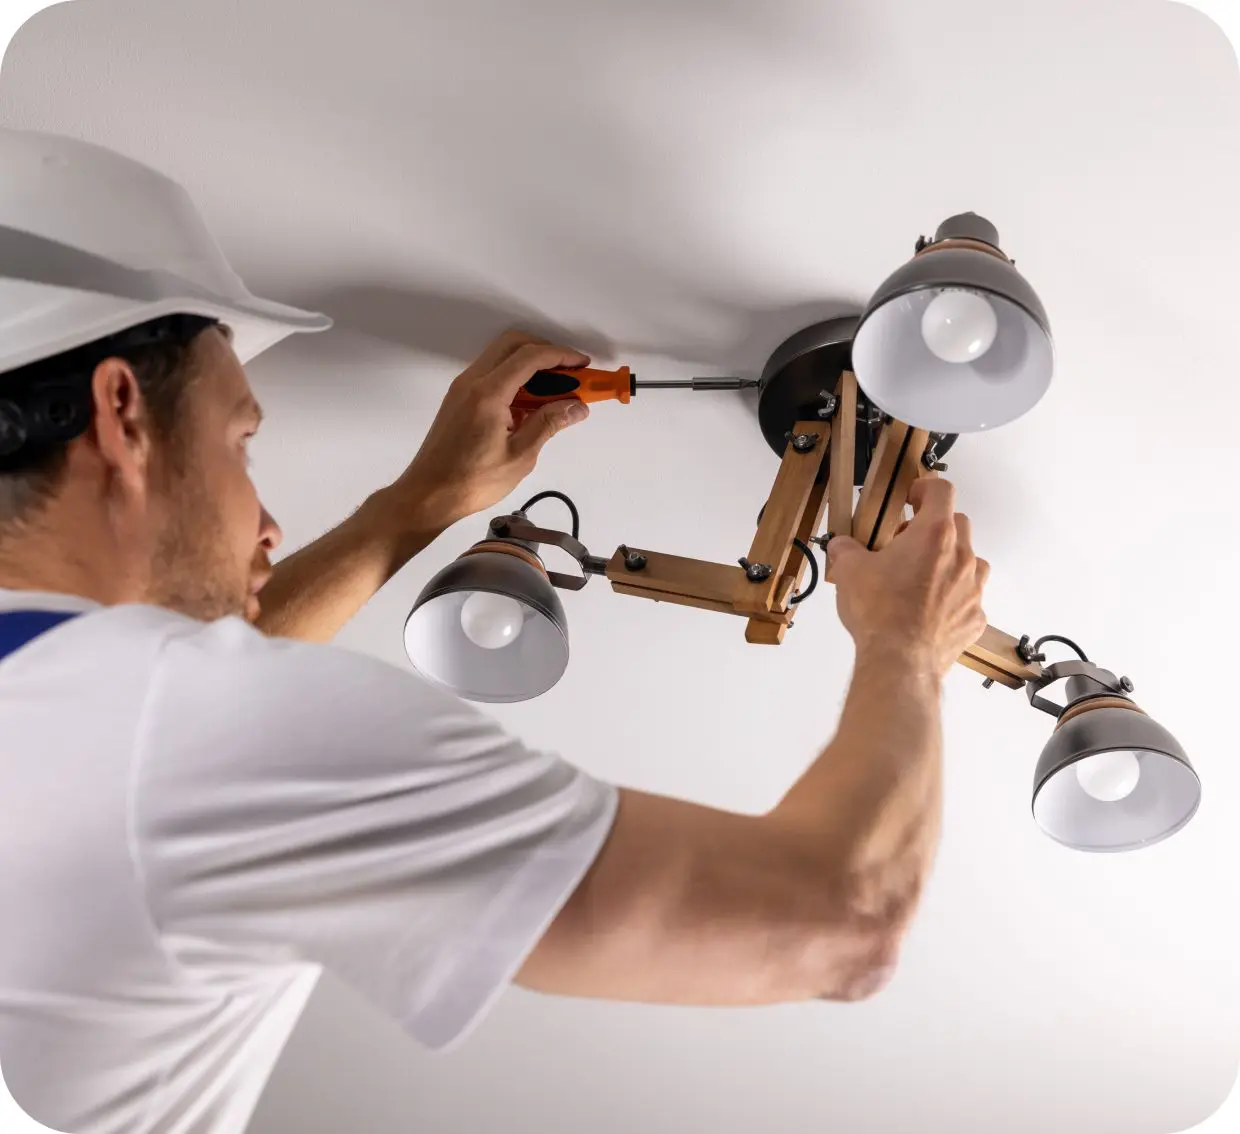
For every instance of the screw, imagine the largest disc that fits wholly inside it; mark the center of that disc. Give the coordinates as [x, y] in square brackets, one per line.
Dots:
[632, 560]
[930, 458]
[756, 572]
[1125, 683]
[1026, 652]
[988, 683]
[499, 527]
[822, 540]
[921, 244]
[829, 404]
[802, 442]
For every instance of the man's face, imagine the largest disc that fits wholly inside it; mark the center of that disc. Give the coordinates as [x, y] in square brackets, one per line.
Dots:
[212, 553]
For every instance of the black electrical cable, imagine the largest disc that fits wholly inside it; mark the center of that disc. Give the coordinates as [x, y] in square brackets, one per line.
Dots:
[551, 494]
[809, 558]
[813, 573]
[1037, 646]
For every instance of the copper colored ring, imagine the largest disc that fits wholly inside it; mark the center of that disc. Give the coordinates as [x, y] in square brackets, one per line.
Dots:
[507, 549]
[1096, 703]
[971, 245]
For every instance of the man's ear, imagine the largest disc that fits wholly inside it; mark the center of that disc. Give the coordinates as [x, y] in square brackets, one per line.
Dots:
[121, 425]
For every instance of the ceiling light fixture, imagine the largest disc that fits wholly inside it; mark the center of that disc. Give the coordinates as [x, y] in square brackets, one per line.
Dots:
[956, 341]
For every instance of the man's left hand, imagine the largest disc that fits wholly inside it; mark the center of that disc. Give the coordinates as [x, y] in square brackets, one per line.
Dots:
[477, 451]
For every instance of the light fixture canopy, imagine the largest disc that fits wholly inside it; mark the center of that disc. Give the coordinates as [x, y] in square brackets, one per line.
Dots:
[1158, 789]
[956, 340]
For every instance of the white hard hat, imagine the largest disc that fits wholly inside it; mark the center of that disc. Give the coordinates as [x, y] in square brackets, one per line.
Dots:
[92, 243]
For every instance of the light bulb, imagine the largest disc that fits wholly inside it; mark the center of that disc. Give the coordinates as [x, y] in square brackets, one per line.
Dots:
[1109, 776]
[959, 326]
[491, 621]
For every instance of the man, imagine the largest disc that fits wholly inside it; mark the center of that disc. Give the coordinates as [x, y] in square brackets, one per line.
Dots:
[202, 806]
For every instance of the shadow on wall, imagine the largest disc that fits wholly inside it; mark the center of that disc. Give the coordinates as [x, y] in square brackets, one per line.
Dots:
[377, 319]
[445, 324]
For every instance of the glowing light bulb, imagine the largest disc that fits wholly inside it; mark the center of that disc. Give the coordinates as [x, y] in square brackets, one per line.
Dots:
[959, 326]
[1109, 776]
[491, 621]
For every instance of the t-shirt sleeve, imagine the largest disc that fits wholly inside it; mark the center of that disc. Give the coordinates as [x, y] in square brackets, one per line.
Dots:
[306, 802]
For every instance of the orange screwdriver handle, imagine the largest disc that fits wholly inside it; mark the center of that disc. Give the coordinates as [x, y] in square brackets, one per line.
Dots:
[583, 384]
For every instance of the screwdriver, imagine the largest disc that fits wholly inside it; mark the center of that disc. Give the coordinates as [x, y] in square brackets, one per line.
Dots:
[588, 385]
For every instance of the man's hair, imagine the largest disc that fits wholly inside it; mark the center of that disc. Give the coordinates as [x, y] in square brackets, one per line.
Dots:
[161, 356]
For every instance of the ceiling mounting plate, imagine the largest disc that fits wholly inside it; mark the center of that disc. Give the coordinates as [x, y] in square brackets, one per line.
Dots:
[805, 368]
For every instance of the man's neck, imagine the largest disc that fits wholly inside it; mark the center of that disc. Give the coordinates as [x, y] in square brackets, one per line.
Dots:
[42, 556]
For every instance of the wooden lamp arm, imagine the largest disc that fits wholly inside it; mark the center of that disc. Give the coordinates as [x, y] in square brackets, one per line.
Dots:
[761, 588]
[897, 464]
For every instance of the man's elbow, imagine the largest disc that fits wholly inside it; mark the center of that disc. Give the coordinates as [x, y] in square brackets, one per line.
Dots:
[867, 977]
[857, 953]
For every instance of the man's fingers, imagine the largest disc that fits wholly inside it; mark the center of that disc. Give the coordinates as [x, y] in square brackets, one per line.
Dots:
[500, 349]
[982, 572]
[544, 423]
[964, 532]
[509, 376]
[932, 495]
[840, 549]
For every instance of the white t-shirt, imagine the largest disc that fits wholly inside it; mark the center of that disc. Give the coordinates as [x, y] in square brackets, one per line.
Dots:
[196, 820]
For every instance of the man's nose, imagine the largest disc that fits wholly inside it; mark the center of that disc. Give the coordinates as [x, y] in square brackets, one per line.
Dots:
[269, 533]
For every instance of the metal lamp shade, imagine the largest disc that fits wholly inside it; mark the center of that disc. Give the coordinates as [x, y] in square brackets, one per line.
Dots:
[1165, 798]
[904, 378]
[440, 651]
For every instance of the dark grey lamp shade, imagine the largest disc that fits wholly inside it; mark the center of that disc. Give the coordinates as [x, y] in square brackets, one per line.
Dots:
[440, 650]
[1165, 797]
[901, 373]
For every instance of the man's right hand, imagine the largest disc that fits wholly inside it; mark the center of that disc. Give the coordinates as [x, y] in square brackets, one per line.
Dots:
[920, 595]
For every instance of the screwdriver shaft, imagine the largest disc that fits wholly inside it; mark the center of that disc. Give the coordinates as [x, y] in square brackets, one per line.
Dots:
[701, 384]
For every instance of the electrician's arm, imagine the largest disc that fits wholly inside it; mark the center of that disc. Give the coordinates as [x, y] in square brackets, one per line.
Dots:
[471, 459]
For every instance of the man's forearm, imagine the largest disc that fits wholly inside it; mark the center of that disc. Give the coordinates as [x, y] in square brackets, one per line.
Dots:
[871, 804]
[315, 591]
[690, 905]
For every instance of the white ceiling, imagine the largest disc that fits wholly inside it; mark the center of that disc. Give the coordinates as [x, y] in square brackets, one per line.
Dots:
[680, 184]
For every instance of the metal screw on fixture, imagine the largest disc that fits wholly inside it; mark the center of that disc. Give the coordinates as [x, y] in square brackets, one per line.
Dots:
[632, 560]
[756, 572]
[988, 683]
[931, 458]
[829, 404]
[499, 527]
[1125, 683]
[802, 442]
[1026, 652]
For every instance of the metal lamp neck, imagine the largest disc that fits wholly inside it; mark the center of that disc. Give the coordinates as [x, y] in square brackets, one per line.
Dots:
[965, 231]
[515, 529]
[1085, 681]
[968, 226]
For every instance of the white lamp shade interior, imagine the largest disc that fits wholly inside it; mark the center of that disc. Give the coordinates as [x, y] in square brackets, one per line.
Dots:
[904, 377]
[442, 652]
[1164, 799]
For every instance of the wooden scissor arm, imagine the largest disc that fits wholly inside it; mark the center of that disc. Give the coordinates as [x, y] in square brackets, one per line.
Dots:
[761, 587]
